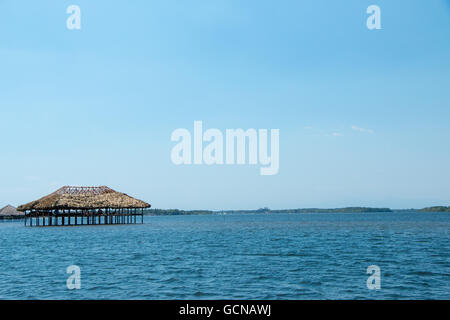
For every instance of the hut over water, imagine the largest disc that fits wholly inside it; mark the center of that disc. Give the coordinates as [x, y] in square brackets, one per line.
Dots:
[84, 206]
[9, 212]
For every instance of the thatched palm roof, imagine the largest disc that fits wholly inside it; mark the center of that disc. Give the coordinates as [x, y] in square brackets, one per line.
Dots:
[84, 198]
[10, 211]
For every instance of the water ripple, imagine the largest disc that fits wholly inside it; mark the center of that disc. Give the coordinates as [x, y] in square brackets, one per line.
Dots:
[305, 256]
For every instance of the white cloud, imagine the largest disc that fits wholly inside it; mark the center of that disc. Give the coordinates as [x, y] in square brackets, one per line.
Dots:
[355, 128]
[337, 134]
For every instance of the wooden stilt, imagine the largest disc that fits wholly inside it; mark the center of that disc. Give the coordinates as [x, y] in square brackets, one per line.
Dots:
[75, 217]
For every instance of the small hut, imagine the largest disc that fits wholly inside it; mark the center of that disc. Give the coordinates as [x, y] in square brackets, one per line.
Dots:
[10, 212]
[72, 206]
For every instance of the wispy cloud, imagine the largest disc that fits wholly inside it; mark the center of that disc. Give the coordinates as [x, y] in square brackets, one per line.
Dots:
[337, 134]
[355, 128]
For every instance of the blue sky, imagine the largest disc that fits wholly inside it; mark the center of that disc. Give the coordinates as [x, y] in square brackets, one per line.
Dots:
[97, 106]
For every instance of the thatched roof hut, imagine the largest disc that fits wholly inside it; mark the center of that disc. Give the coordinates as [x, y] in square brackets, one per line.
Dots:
[10, 212]
[84, 198]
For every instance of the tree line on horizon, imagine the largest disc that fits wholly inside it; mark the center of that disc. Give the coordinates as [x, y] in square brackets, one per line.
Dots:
[436, 209]
[265, 210]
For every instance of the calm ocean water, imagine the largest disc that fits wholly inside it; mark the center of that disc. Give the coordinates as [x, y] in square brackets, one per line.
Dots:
[278, 256]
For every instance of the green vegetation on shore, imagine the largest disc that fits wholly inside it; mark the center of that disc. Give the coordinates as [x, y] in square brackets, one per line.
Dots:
[176, 212]
[335, 210]
[435, 209]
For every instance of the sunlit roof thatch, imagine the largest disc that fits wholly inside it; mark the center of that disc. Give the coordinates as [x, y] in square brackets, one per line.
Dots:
[84, 198]
[10, 211]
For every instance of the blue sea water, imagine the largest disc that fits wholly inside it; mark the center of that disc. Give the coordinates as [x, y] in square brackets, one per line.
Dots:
[276, 256]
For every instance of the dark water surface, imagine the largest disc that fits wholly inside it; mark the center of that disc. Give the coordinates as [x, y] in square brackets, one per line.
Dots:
[277, 256]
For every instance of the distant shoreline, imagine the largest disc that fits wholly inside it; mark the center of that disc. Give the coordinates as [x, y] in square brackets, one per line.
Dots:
[178, 212]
